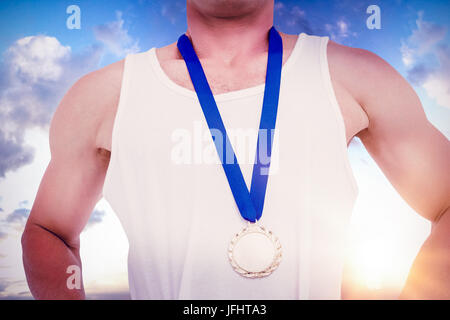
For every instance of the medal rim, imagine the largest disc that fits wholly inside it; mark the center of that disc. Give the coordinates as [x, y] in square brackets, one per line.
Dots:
[250, 228]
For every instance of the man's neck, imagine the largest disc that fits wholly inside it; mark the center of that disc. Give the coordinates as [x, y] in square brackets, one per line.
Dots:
[230, 39]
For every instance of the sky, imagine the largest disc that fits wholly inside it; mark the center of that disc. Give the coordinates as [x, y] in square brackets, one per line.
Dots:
[40, 58]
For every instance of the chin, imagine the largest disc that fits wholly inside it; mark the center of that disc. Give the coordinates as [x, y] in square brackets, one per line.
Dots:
[228, 8]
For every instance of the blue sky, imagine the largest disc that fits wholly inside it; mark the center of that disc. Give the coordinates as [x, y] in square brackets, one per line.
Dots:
[414, 38]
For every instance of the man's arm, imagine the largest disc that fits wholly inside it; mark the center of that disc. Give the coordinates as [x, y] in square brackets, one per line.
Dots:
[429, 277]
[71, 186]
[410, 151]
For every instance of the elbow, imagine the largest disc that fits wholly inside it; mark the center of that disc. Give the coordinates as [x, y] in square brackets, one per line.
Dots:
[441, 214]
[36, 235]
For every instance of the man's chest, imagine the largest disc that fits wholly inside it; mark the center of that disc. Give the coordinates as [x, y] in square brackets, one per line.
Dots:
[223, 80]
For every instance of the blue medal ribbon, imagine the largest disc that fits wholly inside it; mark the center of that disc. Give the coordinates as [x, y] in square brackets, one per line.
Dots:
[250, 203]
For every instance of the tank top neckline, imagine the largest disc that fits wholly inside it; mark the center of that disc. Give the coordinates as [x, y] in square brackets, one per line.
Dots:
[230, 95]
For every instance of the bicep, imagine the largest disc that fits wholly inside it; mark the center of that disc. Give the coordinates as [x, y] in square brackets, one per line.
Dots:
[410, 151]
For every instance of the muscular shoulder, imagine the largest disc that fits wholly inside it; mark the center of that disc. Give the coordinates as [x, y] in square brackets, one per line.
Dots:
[361, 71]
[84, 109]
[369, 79]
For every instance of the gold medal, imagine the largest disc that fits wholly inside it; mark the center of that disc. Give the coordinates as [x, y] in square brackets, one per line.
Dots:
[255, 252]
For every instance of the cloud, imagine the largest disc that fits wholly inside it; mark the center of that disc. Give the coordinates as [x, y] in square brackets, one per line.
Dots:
[23, 203]
[35, 73]
[120, 295]
[7, 285]
[13, 153]
[407, 55]
[15, 221]
[37, 58]
[340, 30]
[427, 58]
[96, 216]
[115, 37]
[4, 284]
[18, 216]
[437, 84]
[422, 40]
[418, 73]
[21, 215]
[3, 235]
[291, 19]
[174, 11]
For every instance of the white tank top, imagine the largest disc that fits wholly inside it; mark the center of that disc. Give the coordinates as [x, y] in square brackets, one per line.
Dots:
[169, 190]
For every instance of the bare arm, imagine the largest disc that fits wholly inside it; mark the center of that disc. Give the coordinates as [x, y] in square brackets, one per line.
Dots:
[411, 152]
[71, 185]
